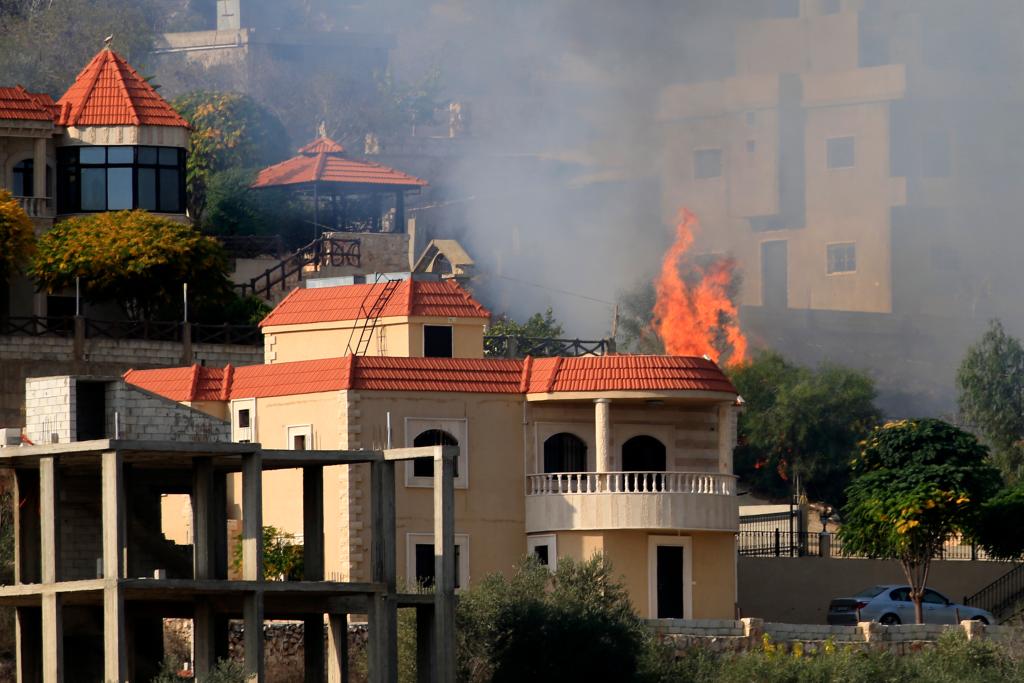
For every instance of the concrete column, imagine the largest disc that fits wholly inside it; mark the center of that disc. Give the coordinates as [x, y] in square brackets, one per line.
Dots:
[337, 648]
[603, 434]
[49, 518]
[252, 611]
[204, 642]
[252, 517]
[726, 437]
[383, 617]
[203, 530]
[39, 167]
[115, 647]
[53, 638]
[313, 649]
[313, 523]
[113, 516]
[444, 568]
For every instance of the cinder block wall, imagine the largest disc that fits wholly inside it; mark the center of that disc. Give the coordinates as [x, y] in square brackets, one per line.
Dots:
[50, 409]
[146, 416]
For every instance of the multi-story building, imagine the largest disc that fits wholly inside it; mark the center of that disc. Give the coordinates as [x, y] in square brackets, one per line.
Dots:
[849, 167]
[558, 457]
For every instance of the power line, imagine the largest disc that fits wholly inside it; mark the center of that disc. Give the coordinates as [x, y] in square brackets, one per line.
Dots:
[555, 289]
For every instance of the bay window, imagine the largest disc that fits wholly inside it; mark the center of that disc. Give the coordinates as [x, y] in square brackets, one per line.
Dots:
[98, 178]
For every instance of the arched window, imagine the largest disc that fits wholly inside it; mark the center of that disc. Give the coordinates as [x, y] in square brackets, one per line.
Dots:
[643, 454]
[424, 467]
[22, 181]
[565, 452]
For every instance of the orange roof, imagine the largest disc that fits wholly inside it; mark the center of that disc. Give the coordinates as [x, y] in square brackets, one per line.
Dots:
[20, 105]
[452, 375]
[442, 298]
[626, 373]
[109, 92]
[324, 161]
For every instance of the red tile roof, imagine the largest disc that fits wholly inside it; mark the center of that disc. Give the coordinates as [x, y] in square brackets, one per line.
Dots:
[451, 375]
[109, 92]
[324, 161]
[626, 373]
[18, 104]
[444, 298]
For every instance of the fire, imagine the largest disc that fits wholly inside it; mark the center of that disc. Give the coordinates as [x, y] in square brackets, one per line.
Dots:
[696, 318]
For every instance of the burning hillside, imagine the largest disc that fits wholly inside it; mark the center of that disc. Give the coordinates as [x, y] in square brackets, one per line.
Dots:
[694, 313]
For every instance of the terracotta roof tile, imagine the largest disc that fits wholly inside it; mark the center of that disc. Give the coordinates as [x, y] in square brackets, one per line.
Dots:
[287, 379]
[18, 104]
[445, 298]
[109, 92]
[387, 373]
[627, 373]
[324, 161]
[322, 145]
[195, 383]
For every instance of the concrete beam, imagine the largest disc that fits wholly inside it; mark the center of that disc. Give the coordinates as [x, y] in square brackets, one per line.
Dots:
[53, 638]
[313, 523]
[337, 648]
[252, 611]
[252, 517]
[444, 568]
[49, 519]
[114, 522]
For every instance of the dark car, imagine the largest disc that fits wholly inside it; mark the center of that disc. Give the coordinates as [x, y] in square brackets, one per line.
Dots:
[891, 604]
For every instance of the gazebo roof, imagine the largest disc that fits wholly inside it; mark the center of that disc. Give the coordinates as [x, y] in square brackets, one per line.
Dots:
[324, 161]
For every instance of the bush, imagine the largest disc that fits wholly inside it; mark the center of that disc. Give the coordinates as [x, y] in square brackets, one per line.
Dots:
[224, 671]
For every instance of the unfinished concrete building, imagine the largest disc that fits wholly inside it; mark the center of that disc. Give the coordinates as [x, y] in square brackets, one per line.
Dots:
[95, 577]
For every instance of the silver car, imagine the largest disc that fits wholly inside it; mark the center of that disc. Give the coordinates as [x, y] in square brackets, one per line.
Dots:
[891, 604]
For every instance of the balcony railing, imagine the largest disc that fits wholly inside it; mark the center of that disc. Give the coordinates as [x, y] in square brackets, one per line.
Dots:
[36, 207]
[631, 482]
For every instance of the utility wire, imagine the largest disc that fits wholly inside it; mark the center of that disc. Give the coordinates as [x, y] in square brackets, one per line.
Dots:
[555, 289]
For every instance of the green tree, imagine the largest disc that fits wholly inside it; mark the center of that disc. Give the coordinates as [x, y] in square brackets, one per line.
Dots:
[282, 556]
[990, 388]
[539, 325]
[17, 242]
[232, 208]
[916, 483]
[229, 131]
[137, 260]
[800, 423]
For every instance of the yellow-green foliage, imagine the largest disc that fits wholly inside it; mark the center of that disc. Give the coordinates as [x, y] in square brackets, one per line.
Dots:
[136, 259]
[17, 235]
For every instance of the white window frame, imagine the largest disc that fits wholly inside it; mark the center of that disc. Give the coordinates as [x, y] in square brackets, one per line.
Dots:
[423, 346]
[848, 243]
[243, 434]
[457, 427]
[291, 431]
[549, 540]
[652, 572]
[412, 539]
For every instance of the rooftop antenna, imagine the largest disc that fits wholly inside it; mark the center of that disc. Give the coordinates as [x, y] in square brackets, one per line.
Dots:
[107, 41]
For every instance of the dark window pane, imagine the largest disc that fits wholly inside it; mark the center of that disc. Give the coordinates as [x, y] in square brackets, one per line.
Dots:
[840, 152]
[707, 163]
[168, 156]
[437, 341]
[842, 258]
[243, 418]
[169, 200]
[23, 179]
[424, 467]
[120, 155]
[425, 564]
[119, 189]
[299, 442]
[94, 189]
[147, 189]
[147, 155]
[541, 552]
[92, 155]
[565, 452]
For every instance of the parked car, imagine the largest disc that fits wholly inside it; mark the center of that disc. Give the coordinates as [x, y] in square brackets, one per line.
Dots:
[892, 605]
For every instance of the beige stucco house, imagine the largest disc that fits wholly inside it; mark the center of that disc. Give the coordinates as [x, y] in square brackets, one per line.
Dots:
[558, 457]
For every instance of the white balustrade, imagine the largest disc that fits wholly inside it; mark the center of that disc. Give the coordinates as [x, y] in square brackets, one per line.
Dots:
[35, 207]
[560, 483]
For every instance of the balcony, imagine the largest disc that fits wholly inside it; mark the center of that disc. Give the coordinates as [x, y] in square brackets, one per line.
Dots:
[36, 207]
[578, 501]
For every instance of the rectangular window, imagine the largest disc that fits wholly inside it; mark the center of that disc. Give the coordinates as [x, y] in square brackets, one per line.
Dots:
[842, 258]
[840, 152]
[543, 549]
[92, 155]
[299, 442]
[122, 177]
[437, 341]
[94, 189]
[243, 418]
[119, 189]
[147, 155]
[169, 200]
[147, 189]
[120, 155]
[299, 437]
[707, 163]
[420, 562]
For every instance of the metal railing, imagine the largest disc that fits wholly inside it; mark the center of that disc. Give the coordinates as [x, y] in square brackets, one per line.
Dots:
[1003, 595]
[248, 335]
[133, 329]
[37, 326]
[557, 483]
[91, 328]
[323, 251]
[511, 346]
[782, 543]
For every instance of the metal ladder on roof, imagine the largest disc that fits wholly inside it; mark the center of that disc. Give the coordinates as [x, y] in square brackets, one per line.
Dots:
[371, 315]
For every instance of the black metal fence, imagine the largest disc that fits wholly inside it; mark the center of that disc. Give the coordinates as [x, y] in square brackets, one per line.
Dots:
[91, 328]
[1002, 595]
[780, 542]
[510, 346]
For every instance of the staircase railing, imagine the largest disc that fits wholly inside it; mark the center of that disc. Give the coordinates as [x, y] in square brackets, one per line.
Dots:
[1002, 595]
[323, 251]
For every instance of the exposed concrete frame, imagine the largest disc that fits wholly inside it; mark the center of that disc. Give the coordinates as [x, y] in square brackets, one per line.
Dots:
[207, 595]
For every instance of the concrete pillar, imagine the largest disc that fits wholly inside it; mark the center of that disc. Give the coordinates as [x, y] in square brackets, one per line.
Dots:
[603, 434]
[726, 437]
[203, 530]
[313, 523]
[39, 168]
[337, 648]
[53, 638]
[49, 518]
[252, 517]
[383, 617]
[204, 642]
[252, 611]
[444, 568]
[113, 502]
[313, 649]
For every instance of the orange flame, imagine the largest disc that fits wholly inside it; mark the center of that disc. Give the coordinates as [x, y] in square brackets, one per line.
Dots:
[696, 319]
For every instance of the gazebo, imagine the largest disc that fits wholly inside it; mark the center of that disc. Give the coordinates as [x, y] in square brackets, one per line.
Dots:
[354, 196]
